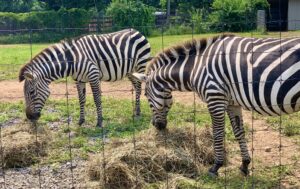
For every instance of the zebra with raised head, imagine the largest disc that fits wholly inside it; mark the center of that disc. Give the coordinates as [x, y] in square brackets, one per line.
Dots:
[91, 58]
[228, 73]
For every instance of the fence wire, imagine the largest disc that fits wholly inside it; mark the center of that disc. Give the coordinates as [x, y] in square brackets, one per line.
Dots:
[180, 118]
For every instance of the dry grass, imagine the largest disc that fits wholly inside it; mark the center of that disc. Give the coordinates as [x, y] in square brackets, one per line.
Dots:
[156, 156]
[20, 146]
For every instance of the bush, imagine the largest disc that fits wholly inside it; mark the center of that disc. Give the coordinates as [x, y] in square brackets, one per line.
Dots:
[51, 22]
[46, 19]
[179, 30]
[200, 26]
[235, 15]
[132, 14]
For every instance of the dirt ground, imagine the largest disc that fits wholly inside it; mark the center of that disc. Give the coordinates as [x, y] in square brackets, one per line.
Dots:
[265, 143]
[120, 89]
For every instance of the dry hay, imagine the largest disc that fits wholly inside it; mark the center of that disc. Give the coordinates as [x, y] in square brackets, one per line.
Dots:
[154, 157]
[20, 146]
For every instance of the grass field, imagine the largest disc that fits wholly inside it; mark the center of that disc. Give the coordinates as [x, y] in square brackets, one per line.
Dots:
[13, 56]
[119, 123]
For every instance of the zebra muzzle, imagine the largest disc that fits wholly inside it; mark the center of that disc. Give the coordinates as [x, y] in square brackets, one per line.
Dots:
[160, 125]
[33, 116]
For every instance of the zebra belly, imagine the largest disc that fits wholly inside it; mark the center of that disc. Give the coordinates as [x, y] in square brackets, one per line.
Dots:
[270, 98]
[109, 73]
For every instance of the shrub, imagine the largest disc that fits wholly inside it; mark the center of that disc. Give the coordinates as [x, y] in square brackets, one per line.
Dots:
[179, 30]
[132, 14]
[235, 15]
[51, 21]
[46, 19]
[200, 26]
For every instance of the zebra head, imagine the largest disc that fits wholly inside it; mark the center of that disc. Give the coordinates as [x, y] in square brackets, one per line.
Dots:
[36, 92]
[159, 98]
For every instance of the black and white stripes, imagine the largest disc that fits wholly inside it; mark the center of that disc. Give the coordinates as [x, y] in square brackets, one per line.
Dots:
[91, 58]
[228, 73]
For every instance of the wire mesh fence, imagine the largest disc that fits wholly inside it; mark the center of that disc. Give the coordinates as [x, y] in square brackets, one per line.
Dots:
[127, 152]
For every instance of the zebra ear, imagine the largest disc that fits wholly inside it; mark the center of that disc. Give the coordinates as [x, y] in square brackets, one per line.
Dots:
[140, 77]
[28, 76]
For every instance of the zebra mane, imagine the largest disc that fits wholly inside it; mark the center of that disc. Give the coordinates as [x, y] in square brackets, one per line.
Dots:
[191, 47]
[70, 40]
[21, 73]
[27, 66]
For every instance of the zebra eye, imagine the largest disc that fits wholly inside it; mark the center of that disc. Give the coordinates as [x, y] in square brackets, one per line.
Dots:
[32, 93]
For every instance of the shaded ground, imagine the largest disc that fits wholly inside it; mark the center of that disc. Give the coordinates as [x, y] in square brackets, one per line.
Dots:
[265, 143]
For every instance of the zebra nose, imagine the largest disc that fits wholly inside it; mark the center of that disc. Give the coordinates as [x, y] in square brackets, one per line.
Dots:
[32, 116]
[160, 125]
[29, 116]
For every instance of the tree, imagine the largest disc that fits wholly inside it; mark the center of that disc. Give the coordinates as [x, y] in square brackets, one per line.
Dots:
[183, 7]
[21, 5]
[235, 15]
[134, 14]
[68, 4]
[152, 3]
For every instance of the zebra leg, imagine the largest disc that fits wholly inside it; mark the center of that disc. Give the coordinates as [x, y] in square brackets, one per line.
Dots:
[138, 90]
[82, 99]
[217, 113]
[236, 119]
[95, 85]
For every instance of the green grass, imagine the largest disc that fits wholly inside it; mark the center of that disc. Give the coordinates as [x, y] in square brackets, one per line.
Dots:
[12, 57]
[118, 122]
[289, 124]
[263, 178]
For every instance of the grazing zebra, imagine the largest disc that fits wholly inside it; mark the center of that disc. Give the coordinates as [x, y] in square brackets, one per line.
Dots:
[91, 58]
[228, 73]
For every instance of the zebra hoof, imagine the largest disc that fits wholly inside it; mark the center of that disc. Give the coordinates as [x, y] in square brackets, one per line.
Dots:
[244, 167]
[213, 174]
[245, 172]
[81, 121]
[99, 123]
[137, 116]
[137, 112]
[213, 171]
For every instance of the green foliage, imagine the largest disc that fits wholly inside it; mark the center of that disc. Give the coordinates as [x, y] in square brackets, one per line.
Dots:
[132, 14]
[289, 124]
[84, 4]
[179, 30]
[197, 16]
[51, 22]
[21, 5]
[235, 15]
[10, 111]
[153, 3]
[46, 19]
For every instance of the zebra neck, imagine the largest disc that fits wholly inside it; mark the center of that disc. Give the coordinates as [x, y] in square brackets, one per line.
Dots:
[174, 81]
[53, 70]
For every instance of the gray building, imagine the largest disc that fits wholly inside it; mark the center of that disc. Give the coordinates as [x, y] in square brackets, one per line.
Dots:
[283, 15]
[293, 15]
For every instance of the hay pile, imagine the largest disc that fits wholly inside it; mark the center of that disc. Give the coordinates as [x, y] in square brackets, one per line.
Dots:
[19, 146]
[156, 156]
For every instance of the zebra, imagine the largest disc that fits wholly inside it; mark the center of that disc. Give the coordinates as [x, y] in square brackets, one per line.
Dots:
[228, 73]
[90, 58]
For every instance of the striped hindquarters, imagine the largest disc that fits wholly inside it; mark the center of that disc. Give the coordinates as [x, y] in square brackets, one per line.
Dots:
[258, 74]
